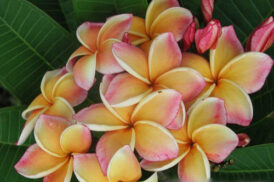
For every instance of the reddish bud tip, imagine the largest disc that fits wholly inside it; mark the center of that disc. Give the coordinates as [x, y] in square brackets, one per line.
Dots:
[244, 140]
[189, 35]
[207, 9]
[262, 37]
[207, 37]
[126, 38]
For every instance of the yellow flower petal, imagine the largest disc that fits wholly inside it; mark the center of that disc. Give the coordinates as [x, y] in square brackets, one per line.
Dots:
[181, 134]
[248, 70]
[237, 103]
[217, 141]
[124, 166]
[81, 51]
[137, 31]
[179, 120]
[194, 166]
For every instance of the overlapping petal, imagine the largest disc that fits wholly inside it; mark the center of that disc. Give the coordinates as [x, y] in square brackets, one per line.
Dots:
[248, 70]
[81, 51]
[179, 120]
[137, 33]
[154, 142]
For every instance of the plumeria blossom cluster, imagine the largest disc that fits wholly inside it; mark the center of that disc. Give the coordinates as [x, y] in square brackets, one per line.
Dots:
[161, 107]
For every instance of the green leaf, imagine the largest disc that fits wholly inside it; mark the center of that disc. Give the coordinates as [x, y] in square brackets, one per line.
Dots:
[68, 11]
[98, 11]
[52, 8]
[254, 163]
[31, 44]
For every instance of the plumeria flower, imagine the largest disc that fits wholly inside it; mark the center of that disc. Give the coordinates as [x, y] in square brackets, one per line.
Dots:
[157, 70]
[140, 126]
[231, 75]
[203, 138]
[160, 14]
[59, 94]
[58, 140]
[95, 52]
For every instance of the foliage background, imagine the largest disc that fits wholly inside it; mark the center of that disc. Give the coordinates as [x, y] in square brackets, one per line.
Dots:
[39, 35]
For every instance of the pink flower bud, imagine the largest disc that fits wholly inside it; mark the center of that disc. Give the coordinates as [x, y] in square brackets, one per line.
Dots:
[126, 38]
[243, 139]
[207, 37]
[262, 37]
[207, 9]
[189, 35]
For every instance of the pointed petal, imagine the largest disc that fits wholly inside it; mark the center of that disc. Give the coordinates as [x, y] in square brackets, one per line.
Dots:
[164, 55]
[98, 118]
[76, 139]
[29, 125]
[125, 90]
[124, 160]
[157, 7]
[228, 46]
[248, 70]
[114, 28]
[112, 141]
[67, 88]
[106, 63]
[160, 106]
[195, 166]
[47, 132]
[38, 103]
[36, 163]
[237, 103]
[208, 111]
[133, 59]
[180, 18]
[87, 34]
[179, 120]
[164, 165]
[81, 51]
[154, 142]
[152, 178]
[198, 63]
[86, 168]
[63, 174]
[187, 81]
[217, 141]
[84, 71]
[61, 108]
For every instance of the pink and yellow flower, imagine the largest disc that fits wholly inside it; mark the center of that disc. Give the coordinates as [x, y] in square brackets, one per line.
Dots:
[59, 94]
[160, 14]
[142, 126]
[204, 137]
[157, 70]
[95, 52]
[231, 75]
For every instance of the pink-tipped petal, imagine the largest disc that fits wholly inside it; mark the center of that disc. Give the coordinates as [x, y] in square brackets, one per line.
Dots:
[228, 47]
[81, 51]
[47, 132]
[132, 59]
[160, 106]
[207, 9]
[164, 55]
[86, 168]
[248, 70]
[84, 71]
[124, 160]
[209, 111]
[179, 120]
[154, 142]
[125, 90]
[157, 7]
[106, 63]
[114, 28]
[237, 103]
[36, 163]
[195, 166]
[110, 143]
[189, 35]
[87, 34]
[217, 141]
[187, 81]
[180, 18]
[207, 37]
[98, 118]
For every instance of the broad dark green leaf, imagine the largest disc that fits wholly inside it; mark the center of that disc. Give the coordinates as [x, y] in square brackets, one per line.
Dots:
[254, 163]
[31, 44]
[95, 10]
[68, 11]
[52, 8]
